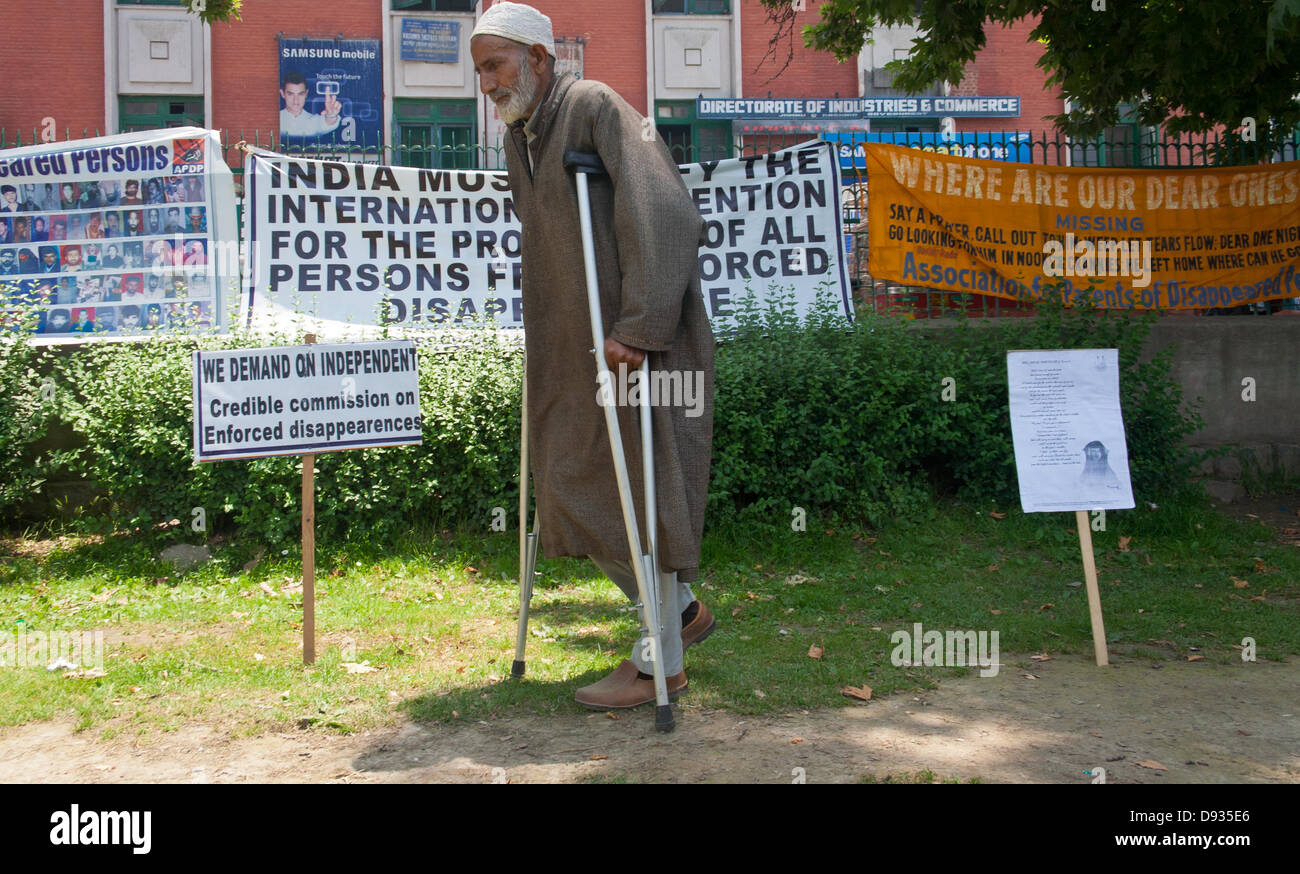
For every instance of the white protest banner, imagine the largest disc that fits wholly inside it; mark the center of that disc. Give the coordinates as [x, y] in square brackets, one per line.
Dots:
[363, 245]
[119, 235]
[300, 400]
[1068, 431]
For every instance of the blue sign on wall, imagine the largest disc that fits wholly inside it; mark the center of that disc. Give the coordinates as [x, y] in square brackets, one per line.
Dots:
[331, 92]
[434, 41]
[991, 146]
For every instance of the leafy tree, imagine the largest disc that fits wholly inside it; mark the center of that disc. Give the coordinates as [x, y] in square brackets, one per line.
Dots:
[215, 10]
[1189, 65]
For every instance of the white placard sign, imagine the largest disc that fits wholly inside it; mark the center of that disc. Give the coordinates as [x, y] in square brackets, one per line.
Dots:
[1068, 431]
[296, 400]
[354, 246]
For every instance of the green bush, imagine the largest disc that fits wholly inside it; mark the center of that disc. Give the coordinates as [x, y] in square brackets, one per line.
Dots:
[135, 416]
[848, 422]
[852, 423]
[26, 408]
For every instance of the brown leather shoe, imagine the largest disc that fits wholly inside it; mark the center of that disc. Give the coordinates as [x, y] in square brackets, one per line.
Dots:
[622, 690]
[699, 628]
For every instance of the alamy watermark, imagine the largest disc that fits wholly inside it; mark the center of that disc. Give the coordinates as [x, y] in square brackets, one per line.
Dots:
[667, 388]
[952, 649]
[1087, 258]
[52, 649]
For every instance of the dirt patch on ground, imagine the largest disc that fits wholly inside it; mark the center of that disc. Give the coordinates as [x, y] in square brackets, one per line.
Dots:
[1205, 723]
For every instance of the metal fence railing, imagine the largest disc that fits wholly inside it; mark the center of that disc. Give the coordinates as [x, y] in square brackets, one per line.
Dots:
[1045, 148]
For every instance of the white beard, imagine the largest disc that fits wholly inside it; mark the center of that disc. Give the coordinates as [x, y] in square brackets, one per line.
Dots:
[521, 96]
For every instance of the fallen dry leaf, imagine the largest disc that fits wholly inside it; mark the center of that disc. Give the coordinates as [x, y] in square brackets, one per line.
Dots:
[1041, 657]
[266, 587]
[1240, 584]
[815, 651]
[862, 694]
[1195, 658]
[996, 612]
[996, 515]
[86, 674]
[1152, 764]
[1030, 676]
[358, 667]
[1045, 606]
[992, 568]
[596, 757]
[796, 740]
[760, 693]
[612, 715]
[1243, 732]
[1123, 544]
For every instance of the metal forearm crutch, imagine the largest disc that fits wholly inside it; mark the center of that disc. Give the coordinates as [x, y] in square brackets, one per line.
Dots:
[644, 565]
[527, 540]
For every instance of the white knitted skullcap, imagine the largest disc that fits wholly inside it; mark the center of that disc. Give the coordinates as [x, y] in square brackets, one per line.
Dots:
[517, 22]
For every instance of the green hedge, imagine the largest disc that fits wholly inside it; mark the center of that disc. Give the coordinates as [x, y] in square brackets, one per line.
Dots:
[850, 423]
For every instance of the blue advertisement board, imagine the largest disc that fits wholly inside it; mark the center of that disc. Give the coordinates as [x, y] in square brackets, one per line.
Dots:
[990, 146]
[436, 42]
[331, 92]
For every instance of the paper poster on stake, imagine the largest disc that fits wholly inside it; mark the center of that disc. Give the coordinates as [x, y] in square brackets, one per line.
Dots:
[1068, 430]
[1068, 434]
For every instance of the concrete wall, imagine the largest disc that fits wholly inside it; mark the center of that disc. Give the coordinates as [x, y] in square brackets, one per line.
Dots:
[1213, 355]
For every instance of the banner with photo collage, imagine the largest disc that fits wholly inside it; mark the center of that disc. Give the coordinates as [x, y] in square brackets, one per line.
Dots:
[118, 235]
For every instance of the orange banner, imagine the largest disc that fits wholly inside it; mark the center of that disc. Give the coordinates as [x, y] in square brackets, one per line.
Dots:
[1131, 239]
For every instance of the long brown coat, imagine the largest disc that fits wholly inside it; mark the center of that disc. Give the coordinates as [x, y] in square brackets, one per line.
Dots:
[647, 232]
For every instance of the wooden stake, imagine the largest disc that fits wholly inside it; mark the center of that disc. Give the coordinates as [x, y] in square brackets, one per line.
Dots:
[1094, 595]
[309, 552]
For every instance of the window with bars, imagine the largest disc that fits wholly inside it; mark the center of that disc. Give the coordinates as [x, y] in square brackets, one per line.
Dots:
[692, 7]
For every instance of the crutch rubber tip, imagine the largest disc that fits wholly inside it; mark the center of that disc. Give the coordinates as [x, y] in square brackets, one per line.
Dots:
[517, 669]
[664, 718]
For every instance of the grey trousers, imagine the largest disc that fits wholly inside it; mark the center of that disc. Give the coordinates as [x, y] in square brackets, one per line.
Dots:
[674, 597]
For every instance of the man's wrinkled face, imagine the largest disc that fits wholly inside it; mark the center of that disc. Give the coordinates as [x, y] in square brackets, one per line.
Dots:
[505, 75]
[295, 97]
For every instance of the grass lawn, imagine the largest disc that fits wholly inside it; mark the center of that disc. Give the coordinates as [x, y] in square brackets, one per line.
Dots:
[431, 622]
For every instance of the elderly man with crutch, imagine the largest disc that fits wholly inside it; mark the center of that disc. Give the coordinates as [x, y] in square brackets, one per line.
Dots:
[625, 281]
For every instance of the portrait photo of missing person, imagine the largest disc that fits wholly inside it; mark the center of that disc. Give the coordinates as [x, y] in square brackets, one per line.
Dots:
[89, 196]
[76, 226]
[153, 191]
[70, 258]
[48, 263]
[58, 321]
[112, 223]
[1097, 476]
[40, 229]
[128, 319]
[110, 192]
[112, 288]
[83, 320]
[9, 199]
[174, 224]
[153, 221]
[68, 195]
[193, 189]
[6, 231]
[105, 320]
[58, 228]
[22, 229]
[8, 262]
[133, 287]
[133, 255]
[196, 220]
[112, 257]
[65, 291]
[131, 192]
[32, 198]
[153, 316]
[135, 223]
